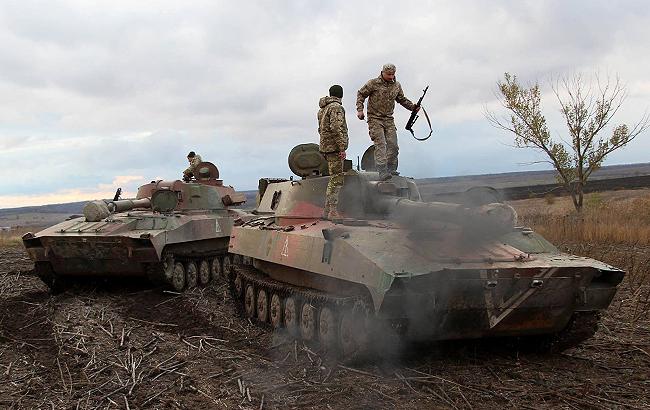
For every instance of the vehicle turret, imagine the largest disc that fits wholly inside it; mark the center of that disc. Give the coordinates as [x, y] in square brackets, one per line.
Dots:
[365, 196]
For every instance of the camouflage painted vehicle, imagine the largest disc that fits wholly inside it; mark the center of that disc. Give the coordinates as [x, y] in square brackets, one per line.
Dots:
[409, 269]
[172, 232]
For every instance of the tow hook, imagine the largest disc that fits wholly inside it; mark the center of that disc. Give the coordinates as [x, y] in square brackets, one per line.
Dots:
[536, 283]
[490, 284]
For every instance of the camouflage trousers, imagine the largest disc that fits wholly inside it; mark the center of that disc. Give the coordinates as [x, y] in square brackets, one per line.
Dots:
[335, 167]
[383, 134]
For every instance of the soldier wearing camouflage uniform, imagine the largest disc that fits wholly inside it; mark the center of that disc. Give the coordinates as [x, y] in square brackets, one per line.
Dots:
[194, 161]
[333, 132]
[382, 92]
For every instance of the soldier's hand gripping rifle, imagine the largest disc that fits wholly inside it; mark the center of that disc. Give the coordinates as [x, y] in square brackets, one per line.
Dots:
[414, 117]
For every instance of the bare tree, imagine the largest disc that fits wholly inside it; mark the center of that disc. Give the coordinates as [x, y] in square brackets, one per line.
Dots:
[587, 112]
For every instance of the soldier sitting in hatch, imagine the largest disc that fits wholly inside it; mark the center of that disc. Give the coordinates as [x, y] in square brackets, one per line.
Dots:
[333, 132]
[194, 161]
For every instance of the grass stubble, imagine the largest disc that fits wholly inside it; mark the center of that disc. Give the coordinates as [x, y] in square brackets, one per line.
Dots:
[146, 349]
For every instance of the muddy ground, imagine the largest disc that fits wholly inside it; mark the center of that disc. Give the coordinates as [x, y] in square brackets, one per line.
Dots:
[140, 347]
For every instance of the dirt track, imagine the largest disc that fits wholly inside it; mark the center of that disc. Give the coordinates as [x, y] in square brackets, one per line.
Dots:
[137, 347]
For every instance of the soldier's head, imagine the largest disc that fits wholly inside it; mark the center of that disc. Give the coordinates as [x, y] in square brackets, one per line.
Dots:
[336, 91]
[191, 156]
[388, 72]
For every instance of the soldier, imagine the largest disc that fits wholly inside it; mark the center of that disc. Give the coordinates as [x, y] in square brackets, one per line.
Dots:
[333, 132]
[194, 161]
[382, 92]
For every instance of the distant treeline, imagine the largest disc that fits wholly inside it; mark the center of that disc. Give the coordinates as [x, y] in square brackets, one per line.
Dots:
[596, 185]
[68, 208]
[511, 185]
[541, 190]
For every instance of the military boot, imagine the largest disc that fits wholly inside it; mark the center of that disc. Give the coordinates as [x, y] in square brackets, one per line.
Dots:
[384, 174]
[334, 215]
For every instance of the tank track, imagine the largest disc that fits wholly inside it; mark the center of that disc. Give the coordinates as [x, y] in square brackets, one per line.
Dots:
[156, 271]
[44, 271]
[581, 326]
[349, 313]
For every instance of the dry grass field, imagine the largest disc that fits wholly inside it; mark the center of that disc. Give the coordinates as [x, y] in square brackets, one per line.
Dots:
[615, 217]
[131, 346]
[13, 237]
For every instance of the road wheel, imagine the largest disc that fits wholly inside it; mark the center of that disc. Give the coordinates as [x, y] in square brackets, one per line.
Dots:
[249, 301]
[353, 333]
[168, 267]
[191, 275]
[327, 326]
[308, 322]
[204, 272]
[275, 311]
[239, 286]
[227, 266]
[215, 269]
[178, 277]
[291, 316]
[236, 260]
[262, 306]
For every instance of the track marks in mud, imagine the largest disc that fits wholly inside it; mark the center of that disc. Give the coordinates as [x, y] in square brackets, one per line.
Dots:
[109, 346]
[24, 319]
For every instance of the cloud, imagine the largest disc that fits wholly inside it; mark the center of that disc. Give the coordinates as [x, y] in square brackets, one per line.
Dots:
[128, 183]
[93, 90]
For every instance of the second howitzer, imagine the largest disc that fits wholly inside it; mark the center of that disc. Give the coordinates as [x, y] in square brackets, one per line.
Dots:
[172, 232]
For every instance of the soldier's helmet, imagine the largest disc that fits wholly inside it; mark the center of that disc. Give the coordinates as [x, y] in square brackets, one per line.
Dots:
[388, 67]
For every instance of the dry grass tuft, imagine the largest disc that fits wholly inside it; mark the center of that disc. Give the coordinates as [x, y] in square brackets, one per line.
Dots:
[607, 218]
[14, 236]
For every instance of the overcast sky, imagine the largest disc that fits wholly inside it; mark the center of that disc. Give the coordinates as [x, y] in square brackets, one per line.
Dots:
[100, 95]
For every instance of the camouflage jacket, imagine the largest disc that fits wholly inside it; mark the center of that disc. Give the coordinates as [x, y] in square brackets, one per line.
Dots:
[195, 162]
[332, 127]
[381, 98]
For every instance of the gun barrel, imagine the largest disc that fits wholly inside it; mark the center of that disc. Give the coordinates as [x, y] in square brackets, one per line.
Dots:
[95, 211]
[424, 92]
[496, 216]
[127, 204]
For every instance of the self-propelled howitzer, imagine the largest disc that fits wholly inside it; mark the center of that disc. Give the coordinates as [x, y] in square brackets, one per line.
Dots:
[396, 264]
[173, 231]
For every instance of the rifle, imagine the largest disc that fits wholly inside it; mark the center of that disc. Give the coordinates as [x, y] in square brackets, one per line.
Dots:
[414, 117]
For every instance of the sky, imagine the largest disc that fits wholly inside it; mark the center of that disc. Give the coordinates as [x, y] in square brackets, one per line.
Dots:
[107, 94]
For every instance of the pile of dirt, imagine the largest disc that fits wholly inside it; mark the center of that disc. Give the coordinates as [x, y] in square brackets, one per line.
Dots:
[138, 347]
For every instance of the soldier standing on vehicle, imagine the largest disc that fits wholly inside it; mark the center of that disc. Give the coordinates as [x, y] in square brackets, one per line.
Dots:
[194, 160]
[382, 92]
[333, 132]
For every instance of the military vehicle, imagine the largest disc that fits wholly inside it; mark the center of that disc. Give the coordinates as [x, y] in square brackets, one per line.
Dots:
[173, 232]
[400, 267]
